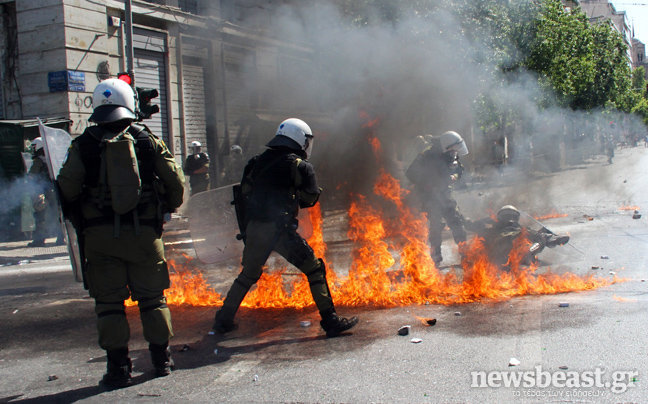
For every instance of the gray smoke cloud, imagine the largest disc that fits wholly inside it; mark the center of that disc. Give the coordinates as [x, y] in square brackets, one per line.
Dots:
[422, 76]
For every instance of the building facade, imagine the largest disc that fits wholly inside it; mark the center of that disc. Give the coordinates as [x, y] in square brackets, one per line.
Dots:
[220, 81]
[602, 10]
[639, 55]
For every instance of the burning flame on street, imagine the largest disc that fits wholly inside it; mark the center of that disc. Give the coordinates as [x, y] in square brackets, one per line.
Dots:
[626, 207]
[391, 263]
[551, 215]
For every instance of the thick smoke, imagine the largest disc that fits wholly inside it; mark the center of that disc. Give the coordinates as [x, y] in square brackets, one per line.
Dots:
[422, 76]
[15, 196]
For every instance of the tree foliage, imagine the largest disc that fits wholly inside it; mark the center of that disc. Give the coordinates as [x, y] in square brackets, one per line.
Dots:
[576, 64]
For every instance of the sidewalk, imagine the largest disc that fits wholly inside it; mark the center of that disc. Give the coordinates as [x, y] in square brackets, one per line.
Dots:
[176, 233]
[19, 253]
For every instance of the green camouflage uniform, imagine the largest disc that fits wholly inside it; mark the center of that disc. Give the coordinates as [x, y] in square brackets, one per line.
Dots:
[126, 260]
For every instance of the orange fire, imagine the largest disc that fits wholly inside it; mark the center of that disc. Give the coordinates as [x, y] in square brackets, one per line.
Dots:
[551, 215]
[626, 207]
[391, 263]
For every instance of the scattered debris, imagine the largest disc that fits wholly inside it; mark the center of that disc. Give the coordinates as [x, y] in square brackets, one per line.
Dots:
[416, 340]
[211, 333]
[15, 311]
[612, 273]
[185, 348]
[149, 395]
[643, 280]
[52, 377]
[563, 304]
[305, 323]
[215, 351]
[636, 215]
[457, 313]
[563, 367]
[404, 330]
[595, 267]
[605, 257]
[256, 378]
[514, 362]
[590, 218]
[430, 321]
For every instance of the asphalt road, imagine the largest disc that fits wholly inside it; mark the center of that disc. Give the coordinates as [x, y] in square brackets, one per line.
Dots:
[593, 351]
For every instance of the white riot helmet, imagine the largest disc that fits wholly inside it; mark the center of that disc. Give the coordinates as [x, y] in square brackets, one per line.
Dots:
[294, 133]
[451, 141]
[113, 100]
[508, 213]
[37, 144]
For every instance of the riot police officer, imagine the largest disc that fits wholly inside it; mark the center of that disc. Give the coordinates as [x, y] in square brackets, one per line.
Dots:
[124, 179]
[433, 173]
[275, 184]
[197, 168]
[42, 198]
[500, 234]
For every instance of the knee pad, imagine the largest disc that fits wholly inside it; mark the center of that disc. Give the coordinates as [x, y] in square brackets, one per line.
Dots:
[299, 252]
[104, 309]
[318, 274]
[151, 303]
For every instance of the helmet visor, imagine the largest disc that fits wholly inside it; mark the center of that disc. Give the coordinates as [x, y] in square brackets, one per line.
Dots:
[110, 113]
[459, 147]
[308, 146]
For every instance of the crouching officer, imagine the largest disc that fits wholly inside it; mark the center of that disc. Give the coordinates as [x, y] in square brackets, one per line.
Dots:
[275, 185]
[499, 236]
[124, 180]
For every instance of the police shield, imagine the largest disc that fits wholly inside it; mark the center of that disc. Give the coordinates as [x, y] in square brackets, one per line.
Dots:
[213, 226]
[56, 143]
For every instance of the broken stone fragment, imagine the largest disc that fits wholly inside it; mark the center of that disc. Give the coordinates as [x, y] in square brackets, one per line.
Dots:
[404, 330]
[514, 362]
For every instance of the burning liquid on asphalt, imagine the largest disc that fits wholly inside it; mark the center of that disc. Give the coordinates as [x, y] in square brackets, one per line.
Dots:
[391, 265]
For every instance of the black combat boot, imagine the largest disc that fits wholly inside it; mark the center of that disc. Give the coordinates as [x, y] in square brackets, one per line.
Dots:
[119, 368]
[223, 322]
[335, 325]
[557, 240]
[161, 358]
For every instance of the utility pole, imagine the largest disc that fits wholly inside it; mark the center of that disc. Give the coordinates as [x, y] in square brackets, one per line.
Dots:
[128, 29]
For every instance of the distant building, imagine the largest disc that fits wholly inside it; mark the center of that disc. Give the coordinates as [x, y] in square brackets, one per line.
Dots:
[602, 10]
[221, 80]
[639, 55]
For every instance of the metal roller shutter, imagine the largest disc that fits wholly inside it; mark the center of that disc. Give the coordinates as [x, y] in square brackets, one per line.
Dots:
[150, 72]
[193, 88]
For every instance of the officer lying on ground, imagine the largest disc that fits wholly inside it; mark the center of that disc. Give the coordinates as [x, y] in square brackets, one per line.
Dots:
[499, 236]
